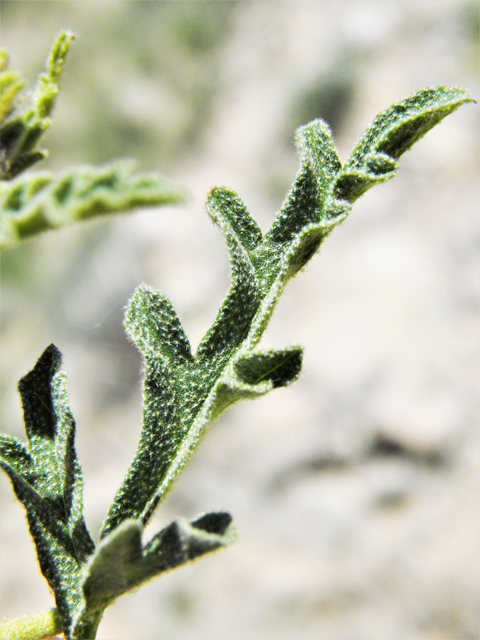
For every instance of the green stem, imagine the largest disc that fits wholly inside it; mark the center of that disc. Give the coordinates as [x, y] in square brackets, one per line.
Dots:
[37, 626]
[32, 627]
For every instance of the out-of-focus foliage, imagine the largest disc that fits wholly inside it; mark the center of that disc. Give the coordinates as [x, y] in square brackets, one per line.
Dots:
[45, 201]
[21, 130]
[149, 87]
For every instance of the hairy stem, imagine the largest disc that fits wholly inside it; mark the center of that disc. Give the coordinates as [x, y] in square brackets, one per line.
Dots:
[37, 626]
[32, 627]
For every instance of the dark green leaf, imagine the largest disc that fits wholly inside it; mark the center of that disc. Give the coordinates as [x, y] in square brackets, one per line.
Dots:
[280, 366]
[47, 479]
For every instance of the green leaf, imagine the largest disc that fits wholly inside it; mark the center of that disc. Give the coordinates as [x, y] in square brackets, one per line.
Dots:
[254, 374]
[393, 132]
[228, 210]
[153, 325]
[184, 394]
[48, 83]
[241, 303]
[180, 401]
[280, 367]
[121, 563]
[21, 132]
[42, 201]
[47, 479]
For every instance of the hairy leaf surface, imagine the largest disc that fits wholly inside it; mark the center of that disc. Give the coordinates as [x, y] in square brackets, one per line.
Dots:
[183, 392]
[47, 479]
[394, 131]
[121, 563]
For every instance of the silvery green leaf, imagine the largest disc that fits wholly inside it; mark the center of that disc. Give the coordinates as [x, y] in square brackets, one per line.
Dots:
[183, 392]
[121, 562]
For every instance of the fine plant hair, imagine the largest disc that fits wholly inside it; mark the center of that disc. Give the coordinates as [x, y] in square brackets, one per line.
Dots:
[183, 392]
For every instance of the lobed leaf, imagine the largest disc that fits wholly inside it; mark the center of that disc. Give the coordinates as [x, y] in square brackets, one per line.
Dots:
[226, 368]
[183, 393]
[153, 325]
[238, 308]
[393, 132]
[305, 204]
[42, 201]
[121, 563]
[47, 479]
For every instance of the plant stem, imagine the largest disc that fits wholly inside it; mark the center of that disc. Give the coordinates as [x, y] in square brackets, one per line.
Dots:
[32, 627]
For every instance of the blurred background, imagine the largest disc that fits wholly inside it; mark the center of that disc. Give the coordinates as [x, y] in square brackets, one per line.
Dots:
[356, 491]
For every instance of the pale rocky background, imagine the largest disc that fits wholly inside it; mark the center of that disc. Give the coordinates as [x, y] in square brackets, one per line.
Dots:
[356, 492]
